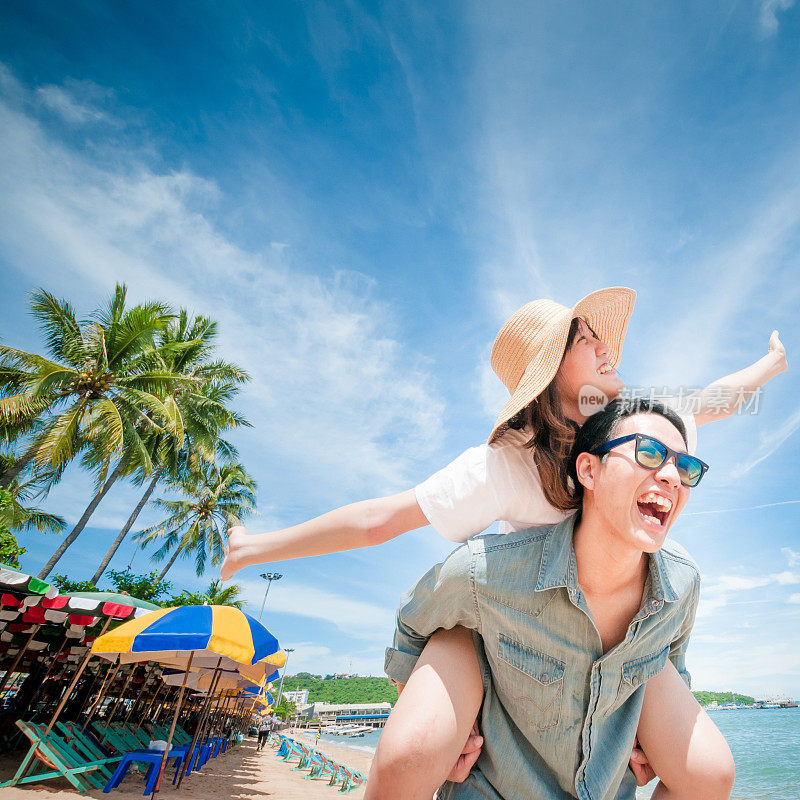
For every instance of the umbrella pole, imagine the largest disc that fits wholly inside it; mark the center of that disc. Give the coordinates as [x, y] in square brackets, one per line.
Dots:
[72, 685]
[121, 694]
[200, 722]
[172, 728]
[139, 700]
[111, 673]
[18, 658]
[152, 701]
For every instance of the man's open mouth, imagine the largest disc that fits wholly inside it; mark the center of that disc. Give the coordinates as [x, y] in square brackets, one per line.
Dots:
[654, 508]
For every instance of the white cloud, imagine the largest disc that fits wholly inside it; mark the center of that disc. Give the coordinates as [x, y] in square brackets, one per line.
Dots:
[320, 660]
[76, 101]
[792, 556]
[794, 598]
[354, 617]
[334, 397]
[770, 442]
[718, 592]
[768, 15]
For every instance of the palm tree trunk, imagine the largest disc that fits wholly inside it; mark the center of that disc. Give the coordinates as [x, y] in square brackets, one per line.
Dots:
[128, 525]
[48, 567]
[169, 565]
[8, 477]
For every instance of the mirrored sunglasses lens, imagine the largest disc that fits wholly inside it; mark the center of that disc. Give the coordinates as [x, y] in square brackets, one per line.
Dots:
[650, 453]
[690, 470]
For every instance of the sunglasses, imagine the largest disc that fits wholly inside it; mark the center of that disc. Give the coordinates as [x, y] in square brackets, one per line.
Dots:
[652, 454]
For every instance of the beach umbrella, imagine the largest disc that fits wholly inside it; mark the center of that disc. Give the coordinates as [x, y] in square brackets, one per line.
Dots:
[203, 636]
[100, 604]
[204, 633]
[14, 580]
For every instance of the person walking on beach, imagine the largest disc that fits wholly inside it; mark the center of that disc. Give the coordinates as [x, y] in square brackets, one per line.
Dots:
[571, 621]
[265, 725]
[546, 354]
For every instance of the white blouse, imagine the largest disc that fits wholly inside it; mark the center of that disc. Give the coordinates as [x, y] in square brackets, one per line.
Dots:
[497, 481]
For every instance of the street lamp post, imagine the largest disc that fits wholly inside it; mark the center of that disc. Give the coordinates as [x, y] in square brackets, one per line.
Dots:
[286, 650]
[268, 577]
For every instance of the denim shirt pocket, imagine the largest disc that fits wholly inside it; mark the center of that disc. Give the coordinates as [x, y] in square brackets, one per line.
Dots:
[542, 688]
[637, 672]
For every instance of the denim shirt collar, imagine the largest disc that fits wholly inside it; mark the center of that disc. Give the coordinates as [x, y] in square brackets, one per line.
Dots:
[559, 568]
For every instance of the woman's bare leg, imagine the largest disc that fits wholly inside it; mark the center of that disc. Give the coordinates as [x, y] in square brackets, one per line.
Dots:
[682, 744]
[430, 722]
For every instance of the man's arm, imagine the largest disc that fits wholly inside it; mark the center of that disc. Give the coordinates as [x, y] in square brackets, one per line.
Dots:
[724, 397]
[677, 650]
[443, 598]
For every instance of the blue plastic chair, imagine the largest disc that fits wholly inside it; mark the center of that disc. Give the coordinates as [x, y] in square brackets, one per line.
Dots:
[151, 757]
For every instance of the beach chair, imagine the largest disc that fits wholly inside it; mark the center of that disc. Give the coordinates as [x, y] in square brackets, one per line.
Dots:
[64, 761]
[151, 758]
[113, 739]
[324, 767]
[306, 757]
[351, 779]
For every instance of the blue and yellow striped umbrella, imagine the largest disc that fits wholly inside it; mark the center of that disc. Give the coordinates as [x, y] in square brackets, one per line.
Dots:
[207, 633]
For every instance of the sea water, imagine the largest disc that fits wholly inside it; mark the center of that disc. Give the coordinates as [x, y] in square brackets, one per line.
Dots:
[766, 751]
[765, 746]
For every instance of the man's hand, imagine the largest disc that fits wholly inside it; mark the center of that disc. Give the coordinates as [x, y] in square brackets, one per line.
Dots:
[640, 765]
[778, 351]
[469, 755]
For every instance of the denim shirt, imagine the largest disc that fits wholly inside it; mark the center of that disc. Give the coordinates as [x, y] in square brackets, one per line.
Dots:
[559, 716]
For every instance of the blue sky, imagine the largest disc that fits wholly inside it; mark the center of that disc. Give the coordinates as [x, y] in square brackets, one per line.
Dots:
[361, 194]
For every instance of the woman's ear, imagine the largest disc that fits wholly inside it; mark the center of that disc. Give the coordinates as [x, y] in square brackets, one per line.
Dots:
[585, 467]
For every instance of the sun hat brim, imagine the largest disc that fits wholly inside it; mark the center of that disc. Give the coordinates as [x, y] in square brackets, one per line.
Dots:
[606, 311]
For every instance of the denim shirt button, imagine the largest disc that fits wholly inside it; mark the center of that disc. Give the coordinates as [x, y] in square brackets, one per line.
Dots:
[545, 678]
[654, 604]
[635, 680]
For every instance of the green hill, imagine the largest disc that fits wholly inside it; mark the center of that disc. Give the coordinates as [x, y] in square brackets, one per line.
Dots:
[330, 689]
[704, 698]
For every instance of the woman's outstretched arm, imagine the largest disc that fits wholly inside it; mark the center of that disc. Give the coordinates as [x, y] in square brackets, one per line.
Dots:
[429, 729]
[724, 397]
[363, 524]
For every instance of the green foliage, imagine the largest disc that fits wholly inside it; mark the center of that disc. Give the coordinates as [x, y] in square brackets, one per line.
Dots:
[343, 690]
[10, 551]
[66, 585]
[284, 710]
[145, 587]
[214, 596]
[704, 698]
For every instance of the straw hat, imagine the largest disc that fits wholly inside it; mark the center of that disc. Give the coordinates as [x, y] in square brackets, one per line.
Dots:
[528, 350]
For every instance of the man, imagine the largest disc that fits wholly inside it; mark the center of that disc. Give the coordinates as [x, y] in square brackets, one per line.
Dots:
[570, 620]
[265, 725]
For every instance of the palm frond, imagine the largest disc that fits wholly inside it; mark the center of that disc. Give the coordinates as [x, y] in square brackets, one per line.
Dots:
[61, 330]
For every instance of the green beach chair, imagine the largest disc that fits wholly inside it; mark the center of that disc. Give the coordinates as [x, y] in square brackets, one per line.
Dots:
[50, 750]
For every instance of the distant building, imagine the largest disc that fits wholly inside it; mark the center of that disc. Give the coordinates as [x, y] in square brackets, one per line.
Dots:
[298, 697]
[374, 714]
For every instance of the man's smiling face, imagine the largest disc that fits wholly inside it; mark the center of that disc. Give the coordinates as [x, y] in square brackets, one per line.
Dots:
[639, 505]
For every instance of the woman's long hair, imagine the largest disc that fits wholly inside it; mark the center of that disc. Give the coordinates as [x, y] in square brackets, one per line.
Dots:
[553, 435]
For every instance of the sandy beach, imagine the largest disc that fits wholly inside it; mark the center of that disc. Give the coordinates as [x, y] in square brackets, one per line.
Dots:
[239, 773]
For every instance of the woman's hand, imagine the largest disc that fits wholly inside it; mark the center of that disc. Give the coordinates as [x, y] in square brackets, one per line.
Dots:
[469, 755]
[642, 770]
[778, 351]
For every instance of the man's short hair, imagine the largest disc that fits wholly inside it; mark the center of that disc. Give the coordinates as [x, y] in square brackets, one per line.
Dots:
[600, 428]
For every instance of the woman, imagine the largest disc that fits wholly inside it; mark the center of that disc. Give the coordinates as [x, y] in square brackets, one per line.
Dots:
[546, 354]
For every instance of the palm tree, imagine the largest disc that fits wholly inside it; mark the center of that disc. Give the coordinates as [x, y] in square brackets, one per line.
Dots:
[214, 595]
[199, 407]
[104, 385]
[24, 517]
[218, 497]
[103, 394]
